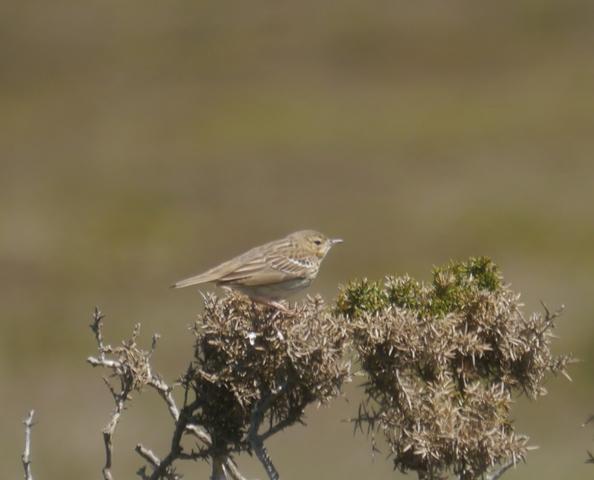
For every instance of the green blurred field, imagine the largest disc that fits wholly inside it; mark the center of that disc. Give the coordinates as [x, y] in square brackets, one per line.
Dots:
[145, 141]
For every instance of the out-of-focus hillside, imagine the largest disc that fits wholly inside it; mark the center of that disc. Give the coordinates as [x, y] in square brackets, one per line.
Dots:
[145, 141]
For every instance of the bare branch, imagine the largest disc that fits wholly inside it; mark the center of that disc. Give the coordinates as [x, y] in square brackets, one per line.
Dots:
[132, 368]
[97, 327]
[102, 361]
[156, 338]
[219, 470]
[232, 470]
[98, 362]
[278, 427]
[109, 430]
[499, 472]
[165, 392]
[256, 442]
[120, 398]
[148, 455]
[26, 457]
[164, 468]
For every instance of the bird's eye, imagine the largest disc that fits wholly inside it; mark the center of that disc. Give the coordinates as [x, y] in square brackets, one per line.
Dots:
[318, 241]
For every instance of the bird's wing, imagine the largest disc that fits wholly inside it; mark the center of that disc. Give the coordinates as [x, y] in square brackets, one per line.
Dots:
[260, 265]
[217, 273]
[259, 276]
[270, 267]
[292, 265]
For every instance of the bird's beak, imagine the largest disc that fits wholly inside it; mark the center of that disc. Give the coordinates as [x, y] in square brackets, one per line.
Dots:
[336, 241]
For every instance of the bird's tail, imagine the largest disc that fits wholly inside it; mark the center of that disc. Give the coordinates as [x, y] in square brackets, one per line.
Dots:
[195, 280]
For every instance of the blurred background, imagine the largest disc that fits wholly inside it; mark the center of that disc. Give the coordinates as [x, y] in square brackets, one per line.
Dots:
[146, 141]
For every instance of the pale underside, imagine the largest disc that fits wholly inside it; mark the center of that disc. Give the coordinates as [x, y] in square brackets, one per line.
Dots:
[273, 291]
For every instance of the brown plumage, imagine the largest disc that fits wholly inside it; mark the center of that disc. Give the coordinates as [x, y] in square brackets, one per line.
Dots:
[270, 272]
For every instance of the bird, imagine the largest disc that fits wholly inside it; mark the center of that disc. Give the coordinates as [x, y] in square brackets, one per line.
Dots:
[273, 271]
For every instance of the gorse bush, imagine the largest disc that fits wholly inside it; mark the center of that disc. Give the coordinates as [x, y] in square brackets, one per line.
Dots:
[443, 360]
[256, 364]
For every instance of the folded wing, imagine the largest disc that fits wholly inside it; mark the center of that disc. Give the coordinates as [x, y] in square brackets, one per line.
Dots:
[260, 266]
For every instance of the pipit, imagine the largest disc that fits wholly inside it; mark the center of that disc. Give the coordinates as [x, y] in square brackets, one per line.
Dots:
[273, 271]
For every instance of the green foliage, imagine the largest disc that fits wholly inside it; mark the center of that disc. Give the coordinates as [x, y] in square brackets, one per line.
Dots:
[361, 296]
[455, 285]
[452, 289]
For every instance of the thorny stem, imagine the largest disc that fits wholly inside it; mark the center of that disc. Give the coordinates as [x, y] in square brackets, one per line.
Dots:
[277, 428]
[26, 457]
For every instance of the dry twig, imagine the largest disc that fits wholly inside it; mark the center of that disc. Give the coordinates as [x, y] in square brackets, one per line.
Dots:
[127, 383]
[501, 471]
[26, 457]
[131, 366]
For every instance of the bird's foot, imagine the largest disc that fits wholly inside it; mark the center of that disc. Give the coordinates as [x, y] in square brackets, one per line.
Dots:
[275, 304]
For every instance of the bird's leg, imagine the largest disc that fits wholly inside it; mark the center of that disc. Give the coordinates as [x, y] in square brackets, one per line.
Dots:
[279, 306]
[273, 303]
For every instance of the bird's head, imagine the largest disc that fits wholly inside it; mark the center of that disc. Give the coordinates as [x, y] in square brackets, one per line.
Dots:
[315, 243]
